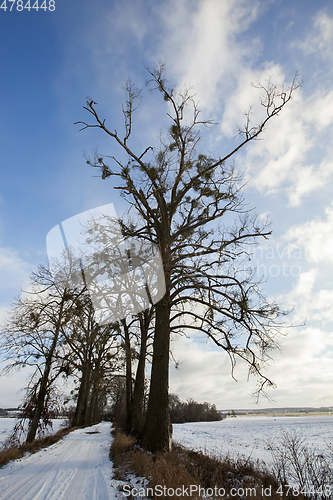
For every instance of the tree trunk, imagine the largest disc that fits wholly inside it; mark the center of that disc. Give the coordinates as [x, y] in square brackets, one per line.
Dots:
[81, 405]
[89, 420]
[95, 401]
[139, 387]
[41, 396]
[128, 377]
[157, 434]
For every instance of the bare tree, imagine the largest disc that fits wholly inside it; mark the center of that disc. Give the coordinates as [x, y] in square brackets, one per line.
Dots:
[137, 408]
[183, 198]
[119, 288]
[33, 337]
[92, 352]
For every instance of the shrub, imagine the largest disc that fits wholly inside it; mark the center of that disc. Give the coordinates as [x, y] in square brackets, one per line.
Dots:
[309, 469]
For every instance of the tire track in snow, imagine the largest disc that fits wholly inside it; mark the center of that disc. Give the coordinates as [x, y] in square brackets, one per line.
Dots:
[75, 468]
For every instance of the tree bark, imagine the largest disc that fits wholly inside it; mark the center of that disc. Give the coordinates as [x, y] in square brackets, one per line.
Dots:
[41, 395]
[157, 434]
[139, 387]
[128, 358]
[95, 405]
[91, 415]
[81, 405]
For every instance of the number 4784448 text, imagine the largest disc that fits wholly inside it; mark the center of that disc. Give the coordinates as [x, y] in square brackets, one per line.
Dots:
[20, 5]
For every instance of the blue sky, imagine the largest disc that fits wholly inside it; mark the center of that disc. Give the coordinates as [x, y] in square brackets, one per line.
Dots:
[50, 63]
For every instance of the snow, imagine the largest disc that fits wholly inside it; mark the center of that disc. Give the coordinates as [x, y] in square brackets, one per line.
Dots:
[252, 435]
[78, 466]
[75, 468]
[7, 425]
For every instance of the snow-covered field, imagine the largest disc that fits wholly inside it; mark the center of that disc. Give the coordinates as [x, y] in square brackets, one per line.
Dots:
[75, 468]
[251, 436]
[7, 425]
[78, 466]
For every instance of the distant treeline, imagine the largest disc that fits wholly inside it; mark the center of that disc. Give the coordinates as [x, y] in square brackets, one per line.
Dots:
[191, 411]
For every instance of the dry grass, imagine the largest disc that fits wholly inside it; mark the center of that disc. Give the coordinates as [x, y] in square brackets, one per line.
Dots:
[120, 445]
[16, 452]
[163, 469]
[181, 468]
[11, 454]
[170, 470]
[227, 473]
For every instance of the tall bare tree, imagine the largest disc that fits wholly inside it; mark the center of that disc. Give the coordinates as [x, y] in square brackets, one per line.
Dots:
[191, 206]
[137, 407]
[90, 353]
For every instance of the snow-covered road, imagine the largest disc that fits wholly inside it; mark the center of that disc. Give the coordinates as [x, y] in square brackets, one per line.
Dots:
[75, 468]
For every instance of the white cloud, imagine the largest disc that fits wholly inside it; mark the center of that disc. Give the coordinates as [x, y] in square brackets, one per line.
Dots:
[302, 369]
[14, 272]
[320, 39]
[303, 344]
[309, 178]
[246, 95]
[303, 372]
[305, 283]
[312, 302]
[319, 111]
[204, 374]
[200, 46]
[295, 155]
[12, 387]
[204, 51]
[3, 313]
[316, 236]
[10, 260]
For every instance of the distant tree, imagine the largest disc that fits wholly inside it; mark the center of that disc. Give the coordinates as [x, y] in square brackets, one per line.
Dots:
[183, 197]
[192, 411]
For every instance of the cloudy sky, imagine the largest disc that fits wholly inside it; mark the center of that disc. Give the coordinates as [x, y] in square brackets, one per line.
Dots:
[52, 60]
